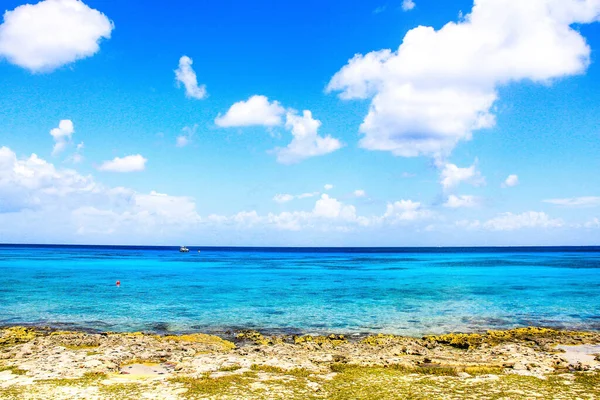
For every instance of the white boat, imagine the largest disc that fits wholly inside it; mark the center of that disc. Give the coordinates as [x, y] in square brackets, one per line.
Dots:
[184, 249]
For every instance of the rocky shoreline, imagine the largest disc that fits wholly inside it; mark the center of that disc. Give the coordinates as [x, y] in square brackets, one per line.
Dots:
[38, 363]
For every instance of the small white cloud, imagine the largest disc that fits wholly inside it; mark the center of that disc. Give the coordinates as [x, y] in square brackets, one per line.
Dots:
[77, 157]
[476, 224]
[359, 193]
[256, 111]
[283, 198]
[246, 218]
[462, 201]
[593, 223]
[408, 175]
[132, 163]
[379, 9]
[186, 137]
[452, 175]
[405, 210]
[307, 195]
[306, 141]
[62, 135]
[185, 75]
[408, 5]
[510, 181]
[182, 141]
[328, 186]
[49, 34]
[532, 219]
[585, 201]
[329, 207]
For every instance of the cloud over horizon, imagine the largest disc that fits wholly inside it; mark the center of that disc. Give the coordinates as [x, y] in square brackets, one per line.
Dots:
[33, 189]
[584, 201]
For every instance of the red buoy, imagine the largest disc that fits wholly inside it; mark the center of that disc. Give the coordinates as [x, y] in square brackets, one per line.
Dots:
[118, 283]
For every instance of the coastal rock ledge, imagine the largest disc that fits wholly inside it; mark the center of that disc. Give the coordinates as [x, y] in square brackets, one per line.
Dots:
[41, 363]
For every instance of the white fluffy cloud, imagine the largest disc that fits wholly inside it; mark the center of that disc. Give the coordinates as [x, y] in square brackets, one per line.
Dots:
[510, 181]
[440, 86]
[585, 201]
[408, 5]
[405, 210]
[256, 111]
[185, 75]
[62, 135]
[179, 208]
[140, 214]
[328, 207]
[130, 163]
[329, 214]
[462, 201]
[52, 33]
[532, 219]
[359, 193]
[306, 141]
[328, 186]
[78, 208]
[31, 189]
[452, 175]
[30, 182]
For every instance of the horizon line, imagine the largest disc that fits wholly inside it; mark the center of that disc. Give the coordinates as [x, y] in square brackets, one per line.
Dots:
[297, 247]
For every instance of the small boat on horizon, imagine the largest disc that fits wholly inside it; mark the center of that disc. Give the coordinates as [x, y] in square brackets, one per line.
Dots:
[184, 249]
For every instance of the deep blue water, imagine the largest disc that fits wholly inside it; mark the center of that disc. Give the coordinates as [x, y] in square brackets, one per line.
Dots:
[403, 291]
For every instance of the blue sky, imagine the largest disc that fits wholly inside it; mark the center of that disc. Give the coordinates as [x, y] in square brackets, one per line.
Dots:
[415, 143]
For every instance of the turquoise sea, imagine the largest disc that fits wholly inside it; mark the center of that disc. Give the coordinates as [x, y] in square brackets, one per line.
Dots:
[349, 290]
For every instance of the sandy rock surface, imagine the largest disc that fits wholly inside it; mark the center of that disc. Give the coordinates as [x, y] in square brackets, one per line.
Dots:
[41, 363]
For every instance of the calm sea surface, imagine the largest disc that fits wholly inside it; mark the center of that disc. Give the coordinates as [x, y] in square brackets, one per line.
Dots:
[402, 291]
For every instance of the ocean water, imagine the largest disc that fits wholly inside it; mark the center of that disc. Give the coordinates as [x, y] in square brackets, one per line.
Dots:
[401, 291]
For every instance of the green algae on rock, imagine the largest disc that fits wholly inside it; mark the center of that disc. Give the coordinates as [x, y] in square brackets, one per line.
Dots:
[17, 334]
[258, 338]
[202, 338]
[493, 337]
[333, 340]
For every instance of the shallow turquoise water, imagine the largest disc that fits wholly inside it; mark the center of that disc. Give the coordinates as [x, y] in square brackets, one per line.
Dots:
[403, 291]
